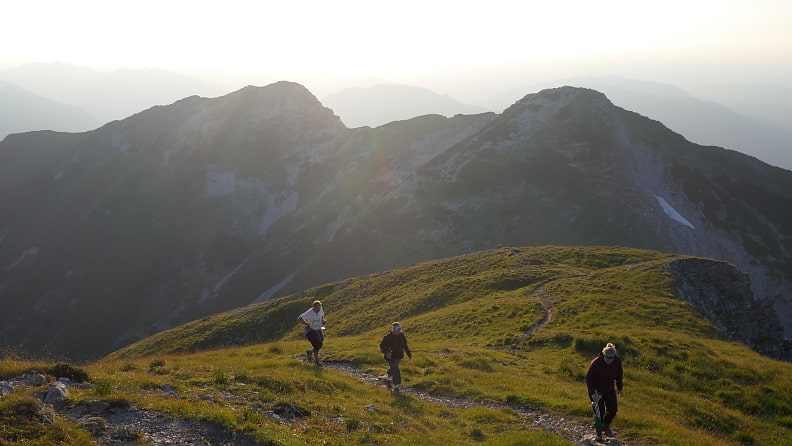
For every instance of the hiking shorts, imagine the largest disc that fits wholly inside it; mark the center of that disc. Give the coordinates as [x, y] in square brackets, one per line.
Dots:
[316, 338]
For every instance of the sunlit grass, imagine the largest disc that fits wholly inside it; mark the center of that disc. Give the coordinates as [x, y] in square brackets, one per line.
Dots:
[466, 319]
[337, 406]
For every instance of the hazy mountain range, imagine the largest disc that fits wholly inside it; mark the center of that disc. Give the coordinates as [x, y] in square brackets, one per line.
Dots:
[756, 123]
[702, 122]
[105, 96]
[380, 104]
[23, 111]
[203, 205]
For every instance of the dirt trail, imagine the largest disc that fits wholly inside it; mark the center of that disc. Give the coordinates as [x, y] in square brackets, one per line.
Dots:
[569, 429]
[130, 425]
[541, 294]
[580, 433]
[127, 425]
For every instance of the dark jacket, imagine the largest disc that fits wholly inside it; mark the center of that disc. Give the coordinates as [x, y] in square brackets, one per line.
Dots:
[601, 376]
[395, 345]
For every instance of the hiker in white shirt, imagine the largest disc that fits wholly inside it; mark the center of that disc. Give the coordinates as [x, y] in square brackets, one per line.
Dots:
[313, 319]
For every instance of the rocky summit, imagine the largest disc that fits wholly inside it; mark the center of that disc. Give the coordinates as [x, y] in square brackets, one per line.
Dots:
[209, 204]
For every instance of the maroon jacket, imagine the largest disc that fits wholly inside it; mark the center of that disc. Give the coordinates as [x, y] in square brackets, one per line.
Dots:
[600, 376]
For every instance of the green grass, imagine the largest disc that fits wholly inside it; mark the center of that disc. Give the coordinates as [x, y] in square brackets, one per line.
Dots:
[21, 423]
[334, 405]
[466, 319]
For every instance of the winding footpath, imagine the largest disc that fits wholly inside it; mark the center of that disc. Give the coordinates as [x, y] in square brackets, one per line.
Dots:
[571, 430]
[127, 425]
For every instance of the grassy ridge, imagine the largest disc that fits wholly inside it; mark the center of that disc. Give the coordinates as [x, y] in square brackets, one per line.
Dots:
[479, 327]
[459, 284]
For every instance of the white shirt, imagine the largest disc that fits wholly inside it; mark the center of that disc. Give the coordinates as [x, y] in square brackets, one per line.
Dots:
[313, 318]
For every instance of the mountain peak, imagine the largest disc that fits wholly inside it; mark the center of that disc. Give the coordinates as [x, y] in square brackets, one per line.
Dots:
[284, 98]
[562, 96]
[280, 88]
[562, 104]
[283, 104]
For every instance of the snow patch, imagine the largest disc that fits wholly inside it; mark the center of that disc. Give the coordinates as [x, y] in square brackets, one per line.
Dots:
[120, 142]
[166, 156]
[277, 210]
[75, 160]
[672, 213]
[271, 292]
[212, 293]
[28, 252]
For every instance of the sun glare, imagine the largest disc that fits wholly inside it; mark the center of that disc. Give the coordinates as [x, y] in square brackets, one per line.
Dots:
[355, 38]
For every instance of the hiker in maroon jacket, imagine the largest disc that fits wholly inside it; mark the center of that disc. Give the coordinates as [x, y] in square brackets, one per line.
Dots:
[603, 371]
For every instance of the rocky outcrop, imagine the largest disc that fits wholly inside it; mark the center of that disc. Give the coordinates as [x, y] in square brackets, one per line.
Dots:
[117, 422]
[723, 294]
[50, 394]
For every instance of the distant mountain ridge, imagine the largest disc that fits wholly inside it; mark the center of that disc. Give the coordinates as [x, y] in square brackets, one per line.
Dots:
[204, 205]
[116, 95]
[23, 111]
[702, 122]
[107, 96]
[383, 103]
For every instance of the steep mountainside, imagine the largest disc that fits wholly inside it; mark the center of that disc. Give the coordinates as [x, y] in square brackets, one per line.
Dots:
[210, 204]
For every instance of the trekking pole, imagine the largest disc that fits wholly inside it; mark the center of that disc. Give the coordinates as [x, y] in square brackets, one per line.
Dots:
[597, 416]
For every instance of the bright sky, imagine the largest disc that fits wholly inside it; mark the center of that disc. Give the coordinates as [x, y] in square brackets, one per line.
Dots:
[408, 39]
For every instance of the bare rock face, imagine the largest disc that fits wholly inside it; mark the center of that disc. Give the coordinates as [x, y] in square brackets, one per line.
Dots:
[723, 294]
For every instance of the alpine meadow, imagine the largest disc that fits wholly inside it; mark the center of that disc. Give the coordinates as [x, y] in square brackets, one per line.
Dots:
[495, 335]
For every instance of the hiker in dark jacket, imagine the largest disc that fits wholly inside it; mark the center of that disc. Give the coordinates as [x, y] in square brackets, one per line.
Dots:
[393, 346]
[603, 371]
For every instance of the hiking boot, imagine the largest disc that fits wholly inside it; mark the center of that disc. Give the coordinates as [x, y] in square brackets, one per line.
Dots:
[308, 354]
[388, 383]
[396, 388]
[608, 431]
